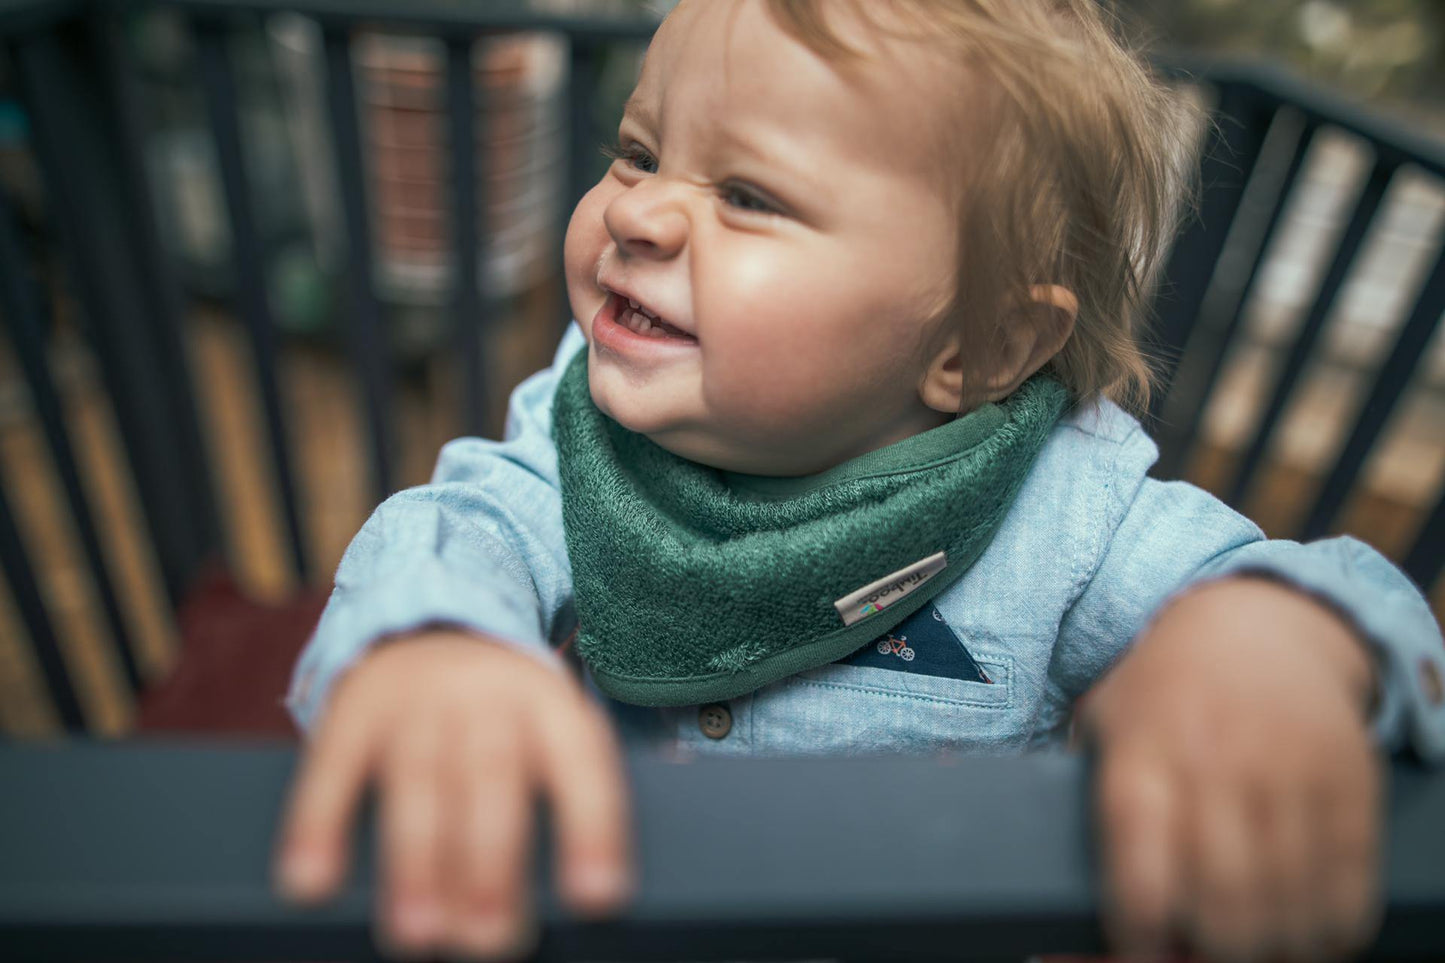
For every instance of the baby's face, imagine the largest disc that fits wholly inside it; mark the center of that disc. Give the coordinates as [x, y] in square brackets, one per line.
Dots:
[791, 223]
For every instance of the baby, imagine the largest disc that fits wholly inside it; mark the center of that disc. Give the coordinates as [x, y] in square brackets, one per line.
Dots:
[833, 462]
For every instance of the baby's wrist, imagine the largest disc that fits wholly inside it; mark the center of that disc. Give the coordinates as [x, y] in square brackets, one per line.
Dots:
[1328, 632]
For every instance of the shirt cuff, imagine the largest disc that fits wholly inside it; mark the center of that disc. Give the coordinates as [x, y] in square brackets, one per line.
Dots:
[1390, 616]
[358, 617]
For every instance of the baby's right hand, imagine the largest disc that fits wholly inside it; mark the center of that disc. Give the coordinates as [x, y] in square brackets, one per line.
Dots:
[459, 735]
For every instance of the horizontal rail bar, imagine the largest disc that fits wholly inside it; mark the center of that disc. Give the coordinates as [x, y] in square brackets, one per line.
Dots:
[1395, 143]
[159, 852]
[443, 17]
[23, 16]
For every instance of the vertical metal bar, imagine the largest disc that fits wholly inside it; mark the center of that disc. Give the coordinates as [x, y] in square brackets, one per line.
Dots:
[367, 338]
[1389, 385]
[1222, 312]
[579, 145]
[469, 204]
[1365, 208]
[581, 83]
[218, 81]
[157, 278]
[87, 200]
[28, 600]
[1426, 558]
[1230, 150]
[21, 312]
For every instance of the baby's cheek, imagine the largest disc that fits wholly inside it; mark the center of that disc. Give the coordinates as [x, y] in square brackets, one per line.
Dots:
[781, 371]
[582, 251]
[764, 401]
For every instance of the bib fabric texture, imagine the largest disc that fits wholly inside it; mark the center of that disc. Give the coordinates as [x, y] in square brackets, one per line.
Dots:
[698, 585]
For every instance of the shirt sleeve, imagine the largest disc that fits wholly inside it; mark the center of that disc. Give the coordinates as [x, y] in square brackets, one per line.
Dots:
[1172, 535]
[480, 547]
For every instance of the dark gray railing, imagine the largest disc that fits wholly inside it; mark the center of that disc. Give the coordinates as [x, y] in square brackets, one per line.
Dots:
[160, 852]
[128, 852]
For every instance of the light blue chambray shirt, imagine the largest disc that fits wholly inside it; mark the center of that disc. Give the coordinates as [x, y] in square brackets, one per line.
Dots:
[1090, 549]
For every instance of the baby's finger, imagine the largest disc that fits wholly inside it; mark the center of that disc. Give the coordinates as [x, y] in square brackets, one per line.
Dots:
[1349, 838]
[1139, 815]
[582, 770]
[1289, 875]
[410, 910]
[315, 837]
[1227, 912]
[488, 868]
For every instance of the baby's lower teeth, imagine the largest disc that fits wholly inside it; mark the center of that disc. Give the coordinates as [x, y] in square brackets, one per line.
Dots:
[640, 323]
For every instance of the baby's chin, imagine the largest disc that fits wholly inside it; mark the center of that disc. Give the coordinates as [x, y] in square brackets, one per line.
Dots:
[697, 433]
[686, 438]
[647, 402]
[661, 428]
[697, 443]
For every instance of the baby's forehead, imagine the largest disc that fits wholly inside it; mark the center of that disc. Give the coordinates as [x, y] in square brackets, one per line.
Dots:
[853, 41]
[894, 85]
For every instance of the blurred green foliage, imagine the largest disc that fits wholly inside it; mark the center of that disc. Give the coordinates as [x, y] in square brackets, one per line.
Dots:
[1391, 49]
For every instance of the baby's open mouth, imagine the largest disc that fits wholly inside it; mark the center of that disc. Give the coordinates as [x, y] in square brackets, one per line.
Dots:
[639, 320]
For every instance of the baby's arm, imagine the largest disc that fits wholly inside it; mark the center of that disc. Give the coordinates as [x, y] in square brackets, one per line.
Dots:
[464, 714]
[480, 547]
[1238, 784]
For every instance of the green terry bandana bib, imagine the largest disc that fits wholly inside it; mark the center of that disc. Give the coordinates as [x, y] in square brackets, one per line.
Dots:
[696, 585]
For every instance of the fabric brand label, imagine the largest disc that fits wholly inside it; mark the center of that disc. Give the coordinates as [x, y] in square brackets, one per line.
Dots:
[877, 596]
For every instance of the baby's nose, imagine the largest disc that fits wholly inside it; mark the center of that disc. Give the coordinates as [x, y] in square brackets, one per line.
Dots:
[647, 221]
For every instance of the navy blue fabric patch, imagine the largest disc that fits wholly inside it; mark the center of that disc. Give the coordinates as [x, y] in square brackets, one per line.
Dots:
[922, 643]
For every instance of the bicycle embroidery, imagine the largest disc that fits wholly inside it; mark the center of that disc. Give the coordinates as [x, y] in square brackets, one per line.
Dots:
[895, 646]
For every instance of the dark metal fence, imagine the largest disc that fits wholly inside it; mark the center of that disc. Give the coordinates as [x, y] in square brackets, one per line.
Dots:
[159, 853]
[1215, 267]
[76, 81]
[77, 84]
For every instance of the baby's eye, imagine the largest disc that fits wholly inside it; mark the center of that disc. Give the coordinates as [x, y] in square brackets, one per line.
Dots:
[748, 199]
[635, 155]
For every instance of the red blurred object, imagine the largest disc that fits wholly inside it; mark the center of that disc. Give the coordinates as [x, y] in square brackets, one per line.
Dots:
[236, 660]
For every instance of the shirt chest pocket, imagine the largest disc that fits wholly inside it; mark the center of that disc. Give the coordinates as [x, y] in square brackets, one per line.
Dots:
[847, 707]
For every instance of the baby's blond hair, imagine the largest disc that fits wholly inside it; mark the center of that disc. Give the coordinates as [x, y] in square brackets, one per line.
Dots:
[1078, 178]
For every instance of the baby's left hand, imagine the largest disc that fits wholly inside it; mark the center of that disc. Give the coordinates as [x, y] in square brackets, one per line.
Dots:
[1238, 789]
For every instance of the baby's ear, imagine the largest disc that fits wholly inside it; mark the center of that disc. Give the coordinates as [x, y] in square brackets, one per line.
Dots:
[1026, 341]
[944, 381]
[961, 376]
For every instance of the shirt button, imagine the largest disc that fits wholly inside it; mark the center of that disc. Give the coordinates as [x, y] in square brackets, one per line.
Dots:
[715, 721]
